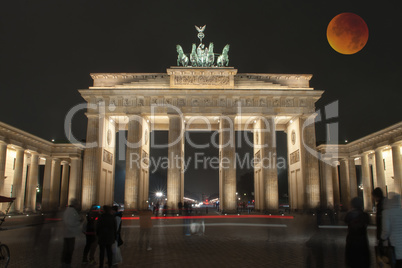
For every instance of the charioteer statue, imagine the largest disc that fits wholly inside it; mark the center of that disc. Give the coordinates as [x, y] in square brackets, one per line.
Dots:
[202, 56]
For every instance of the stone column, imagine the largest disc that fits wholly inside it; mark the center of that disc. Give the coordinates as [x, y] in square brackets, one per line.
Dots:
[366, 180]
[379, 162]
[17, 181]
[3, 157]
[46, 184]
[227, 163]
[30, 202]
[268, 163]
[352, 178]
[175, 161]
[74, 187]
[335, 180]
[55, 184]
[92, 163]
[309, 163]
[64, 184]
[327, 185]
[133, 162]
[345, 184]
[397, 164]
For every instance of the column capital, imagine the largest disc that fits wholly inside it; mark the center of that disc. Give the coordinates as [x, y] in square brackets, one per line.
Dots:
[92, 115]
[305, 116]
[380, 148]
[396, 144]
[65, 162]
[32, 152]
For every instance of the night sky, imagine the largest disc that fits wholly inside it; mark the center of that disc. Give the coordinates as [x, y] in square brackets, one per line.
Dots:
[48, 49]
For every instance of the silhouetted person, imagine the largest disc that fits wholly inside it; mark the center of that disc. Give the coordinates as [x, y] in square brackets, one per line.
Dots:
[379, 199]
[106, 231]
[72, 227]
[90, 235]
[186, 220]
[145, 229]
[180, 205]
[391, 225]
[117, 258]
[357, 253]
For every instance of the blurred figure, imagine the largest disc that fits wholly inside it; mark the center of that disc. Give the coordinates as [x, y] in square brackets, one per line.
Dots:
[379, 199]
[106, 230]
[145, 229]
[90, 235]
[117, 258]
[392, 226]
[72, 227]
[157, 209]
[180, 205]
[357, 253]
[186, 220]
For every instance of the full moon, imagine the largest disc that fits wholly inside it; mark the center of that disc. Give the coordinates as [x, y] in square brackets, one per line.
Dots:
[347, 33]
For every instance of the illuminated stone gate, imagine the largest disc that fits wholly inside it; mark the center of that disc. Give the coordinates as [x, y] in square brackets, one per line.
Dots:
[200, 98]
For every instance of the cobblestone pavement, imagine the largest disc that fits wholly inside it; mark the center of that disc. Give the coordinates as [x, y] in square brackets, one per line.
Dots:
[245, 242]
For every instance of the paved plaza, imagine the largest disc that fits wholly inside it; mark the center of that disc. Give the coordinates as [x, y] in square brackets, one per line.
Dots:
[227, 242]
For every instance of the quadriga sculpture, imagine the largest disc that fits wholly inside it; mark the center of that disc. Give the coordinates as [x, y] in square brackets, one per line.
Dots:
[223, 60]
[181, 57]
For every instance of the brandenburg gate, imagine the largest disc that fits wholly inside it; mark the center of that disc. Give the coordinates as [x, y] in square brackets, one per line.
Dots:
[201, 94]
[200, 98]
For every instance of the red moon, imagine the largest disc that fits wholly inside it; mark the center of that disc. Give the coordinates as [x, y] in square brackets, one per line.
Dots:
[347, 33]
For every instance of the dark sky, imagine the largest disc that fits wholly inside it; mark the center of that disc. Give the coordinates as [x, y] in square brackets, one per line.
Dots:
[48, 49]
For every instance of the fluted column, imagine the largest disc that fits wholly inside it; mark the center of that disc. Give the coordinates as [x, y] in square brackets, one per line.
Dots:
[74, 185]
[55, 184]
[335, 180]
[309, 163]
[397, 164]
[366, 180]
[3, 157]
[17, 181]
[345, 184]
[92, 163]
[133, 162]
[227, 163]
[379, 163]
[64, 184]
[46, 184]
[174, 160]
[268, 163]
[30, 202]
[352, 178]
[327, 185]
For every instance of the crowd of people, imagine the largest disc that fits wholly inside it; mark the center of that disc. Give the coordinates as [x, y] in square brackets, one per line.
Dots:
[388, 233]
[102, 230]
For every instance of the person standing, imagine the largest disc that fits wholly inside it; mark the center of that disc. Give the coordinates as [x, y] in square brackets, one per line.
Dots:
[379, 199]
[72, 227]
[90, 235]
[392, 226]
[357, 253]
[117, 258]
[106, 231]
[145, 229]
